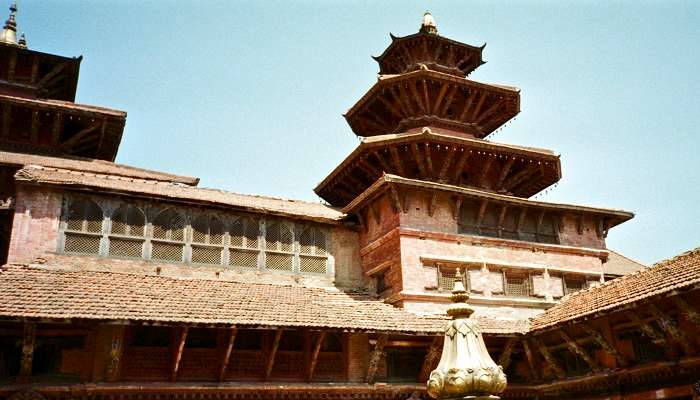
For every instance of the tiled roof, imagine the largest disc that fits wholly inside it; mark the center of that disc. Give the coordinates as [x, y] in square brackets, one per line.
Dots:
[173, 191]
[92, 166]
[618, 264]
[675, 273]
[64, 105]
[35, 292]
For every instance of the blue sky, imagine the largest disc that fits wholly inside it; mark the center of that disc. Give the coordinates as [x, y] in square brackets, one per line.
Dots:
[249, 95]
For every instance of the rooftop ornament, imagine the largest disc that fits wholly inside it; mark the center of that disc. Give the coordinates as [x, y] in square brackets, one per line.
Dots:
[466, 370]
[8, 35]
[428, 24]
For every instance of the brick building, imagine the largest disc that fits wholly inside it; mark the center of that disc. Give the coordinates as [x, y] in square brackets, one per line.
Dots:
[125, 283]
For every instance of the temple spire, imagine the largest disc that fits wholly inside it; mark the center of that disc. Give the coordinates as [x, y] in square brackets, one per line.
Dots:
[428, 24]
[8, 34]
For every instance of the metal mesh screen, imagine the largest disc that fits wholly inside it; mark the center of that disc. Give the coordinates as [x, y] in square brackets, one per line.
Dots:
[81, 243]
[206, 255]
[312, 241]
[125, 248]
[128, 220]
[312, 264]
[280, 237]
[282, 262]
[84, 216]
[207, 230]
[517, 285]
[169, 225]
[244, 233]
[243, 258]
[166, 251]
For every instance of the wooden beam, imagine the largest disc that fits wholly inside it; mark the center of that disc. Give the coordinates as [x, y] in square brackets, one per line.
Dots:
[80, 135]
[6, 110]
[419, 160]
[34, 126]
[501, 218]
[534, 373]
[449, 100]
[116, 350]
[414, 91]
[314, 355]
[271, 355]
[374, 210]
[432, 203]
[28, 345]
[382, 161]
[57, 128]
[426, 96]
[428, 160]
[375, 358]
[55, 71]
[396, 202]
[446, 162]
[399, 100]
[647, 328]
[180, 347]
[397, 161]
[407, 99]
[430, 358]
[671, 328]
[478, 106]
[551, 361]
[518, 178]
[505, 358]
[485, 170]
[227, 353]
[459, 168]
[482, 211]
[607, 347]
[504, 172]
[391, 108]
[438, 100]
[687, 310]
[489, 111]
[576, 349]
[457, 206]
[467, 105]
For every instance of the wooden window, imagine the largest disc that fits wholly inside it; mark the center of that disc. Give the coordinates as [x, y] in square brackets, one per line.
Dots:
[516, 284]
[446, 278]
[207, 240]
[279, 244]
[168, 236]
[244, 248]
[83, 227]
[127, 235]
[313, 256]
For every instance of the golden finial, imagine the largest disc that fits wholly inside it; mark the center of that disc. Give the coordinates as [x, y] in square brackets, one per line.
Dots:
[8, 35]
[466, 369]
[428, 25]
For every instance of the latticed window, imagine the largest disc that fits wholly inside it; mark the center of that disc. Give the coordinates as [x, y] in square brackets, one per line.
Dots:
[127, 235]
[83, 231]
[244, 248]
[516, 283]
[207, 240]
[168, 236]
[446, 278]
[279, 245]
[313, 256]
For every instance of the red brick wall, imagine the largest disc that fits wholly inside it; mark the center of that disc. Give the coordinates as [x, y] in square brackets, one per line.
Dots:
[35, 225]
[358, 356]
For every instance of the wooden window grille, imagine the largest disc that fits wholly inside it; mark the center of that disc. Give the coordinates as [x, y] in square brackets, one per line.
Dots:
[244, 248]
[127, 235]
[207, 240]
[446, 278]
[517, 284]
[313, 256]
[83, 227]
[279, 244]
[168, 236]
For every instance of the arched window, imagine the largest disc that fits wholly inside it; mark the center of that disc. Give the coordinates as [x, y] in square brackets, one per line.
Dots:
[244, 249]
[168, 236]
[279, 242]
[83, 232]
[207, 240]
[313, 256]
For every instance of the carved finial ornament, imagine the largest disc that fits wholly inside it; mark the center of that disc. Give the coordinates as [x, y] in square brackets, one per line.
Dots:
[428, 24]
[465, 370]
[8, 35]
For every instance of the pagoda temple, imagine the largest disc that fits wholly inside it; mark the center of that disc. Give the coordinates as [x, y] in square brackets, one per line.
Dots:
[121, 283]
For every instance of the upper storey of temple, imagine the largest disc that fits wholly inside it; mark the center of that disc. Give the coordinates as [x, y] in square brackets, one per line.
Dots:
[37, 110]
[422, 83]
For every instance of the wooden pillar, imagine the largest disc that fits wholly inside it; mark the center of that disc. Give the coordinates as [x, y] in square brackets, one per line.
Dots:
[28, 345]
[271, 355]
[433, 353]
[116, 350]
[505, 358]
[375, 358]
[180, 346]
[314, 355]
[227, 353]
